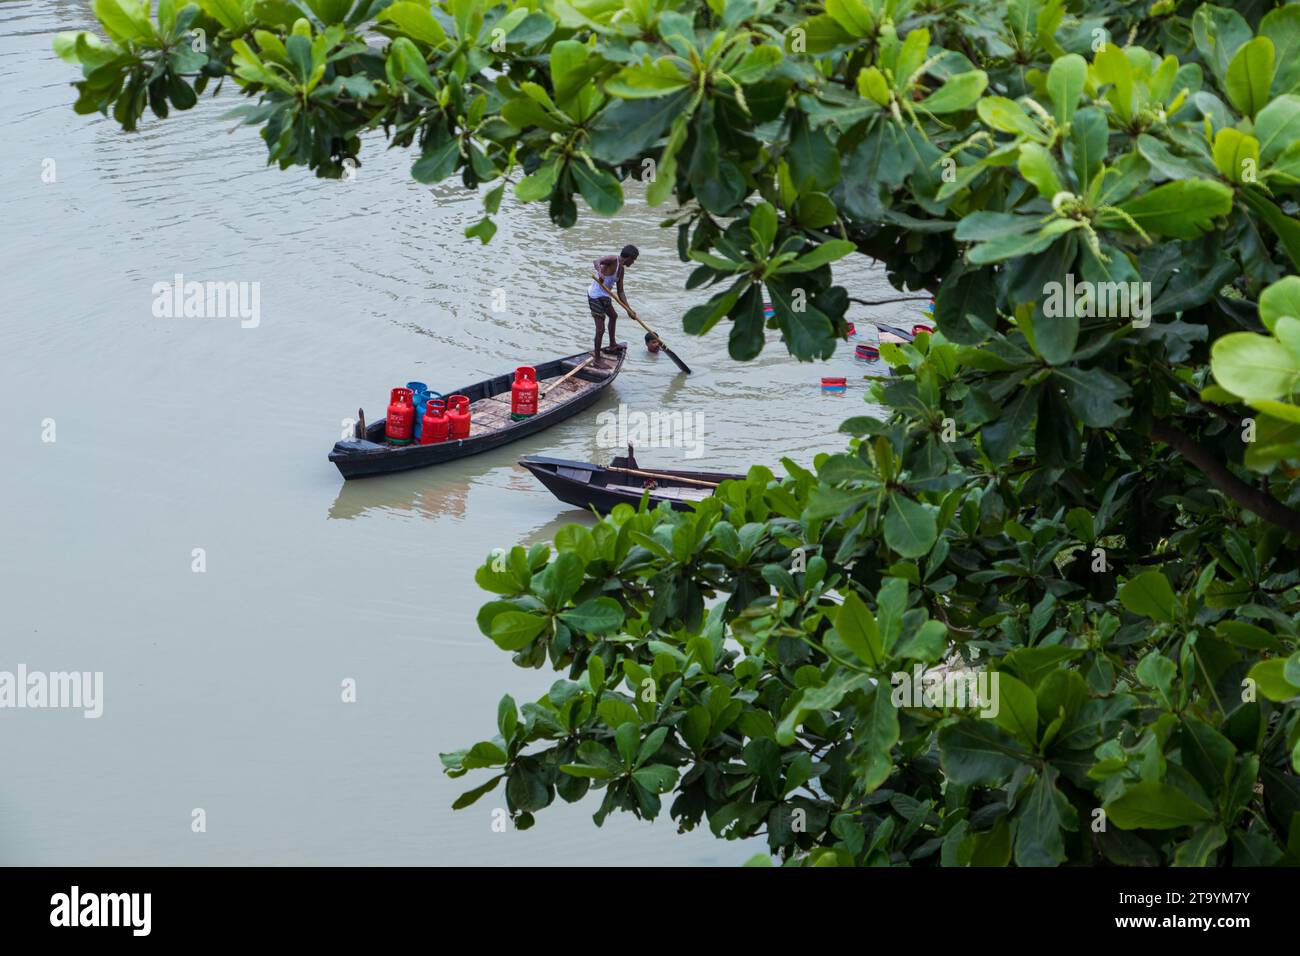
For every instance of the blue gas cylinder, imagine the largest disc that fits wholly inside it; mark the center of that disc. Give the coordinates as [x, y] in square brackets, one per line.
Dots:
[420, 397]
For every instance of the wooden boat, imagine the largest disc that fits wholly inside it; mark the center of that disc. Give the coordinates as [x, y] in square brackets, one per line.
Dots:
[587, 485]
[490, 425]
[891, 334]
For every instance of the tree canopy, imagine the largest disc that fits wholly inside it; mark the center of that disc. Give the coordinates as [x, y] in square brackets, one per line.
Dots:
[1086, 487]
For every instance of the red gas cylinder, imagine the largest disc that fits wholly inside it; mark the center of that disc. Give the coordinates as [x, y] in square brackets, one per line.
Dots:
[400, 423]
[458, 416]
[435, 426]
[523, 393]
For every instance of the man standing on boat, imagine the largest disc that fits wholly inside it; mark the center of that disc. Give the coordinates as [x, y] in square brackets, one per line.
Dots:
[609, 271]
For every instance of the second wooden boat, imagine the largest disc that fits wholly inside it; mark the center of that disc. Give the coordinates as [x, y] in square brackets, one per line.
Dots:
[587, 485]
[565, 392]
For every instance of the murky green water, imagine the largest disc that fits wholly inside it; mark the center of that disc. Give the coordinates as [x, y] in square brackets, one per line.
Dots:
[222, 688]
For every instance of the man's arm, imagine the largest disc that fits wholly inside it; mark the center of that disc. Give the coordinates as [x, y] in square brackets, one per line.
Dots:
[606, 265]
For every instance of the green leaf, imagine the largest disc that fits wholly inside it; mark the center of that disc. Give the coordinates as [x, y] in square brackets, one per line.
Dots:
[1270, 677]
[762, 225]
[909, 526]
[1286, 228]
[1254, 366]
[415, 20]
[1002, 436]
[1007, 116]
[1149, 595]
[1011, 247]
[438, 162]
[1065, 82]
[516, 629]
[1017, 709]
[815, 211]
[1086, 148]
[127, 21]
[827, 252]
[1250, 74]
[1153, 805]
[1236, 155]
[1158, 672]
[808, 331]
[539, 184]
[1038, 166]
[597, 616]
[1182, 210]
[599, 188]
[757, 63]
[876, 736]
[1279, 299]
[814, 163]
[1282, 26]
[648, 79]
[1199, 847]
[559, 581]
[1218, 33]
[584, 770]
[469, 797]
[626, 129]
[656, 777]
[979, 753]
[1277, 126]
[1039, 823]
[856, 626]
[959, 92]
[1207, 754]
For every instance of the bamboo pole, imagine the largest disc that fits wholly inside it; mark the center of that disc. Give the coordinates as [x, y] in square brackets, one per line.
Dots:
[546, 391]
[651, 474]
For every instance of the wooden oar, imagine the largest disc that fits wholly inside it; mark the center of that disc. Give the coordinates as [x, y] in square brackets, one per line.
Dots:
[651, 474]
[662, 344]
[576, 369]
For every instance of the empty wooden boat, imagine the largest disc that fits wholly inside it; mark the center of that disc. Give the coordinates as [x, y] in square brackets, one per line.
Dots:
[622, 481]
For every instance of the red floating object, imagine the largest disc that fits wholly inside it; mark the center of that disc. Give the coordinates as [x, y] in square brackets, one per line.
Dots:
[400, 423]
[435, 426]
[458, 416]
[834, 384]
[867, 353]
[523, 393]
[852, 330]
[918, 329]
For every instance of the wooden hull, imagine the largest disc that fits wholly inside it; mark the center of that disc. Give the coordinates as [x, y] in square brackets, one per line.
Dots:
[585, 485]
[491, 426]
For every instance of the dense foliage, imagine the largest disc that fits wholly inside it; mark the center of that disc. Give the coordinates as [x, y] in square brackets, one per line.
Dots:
[1090, 498]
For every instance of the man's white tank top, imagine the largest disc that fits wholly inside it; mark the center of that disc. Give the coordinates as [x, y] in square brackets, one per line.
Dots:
[600, 290]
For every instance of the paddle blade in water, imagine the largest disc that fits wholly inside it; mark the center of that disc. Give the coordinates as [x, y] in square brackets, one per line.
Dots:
[673, 355]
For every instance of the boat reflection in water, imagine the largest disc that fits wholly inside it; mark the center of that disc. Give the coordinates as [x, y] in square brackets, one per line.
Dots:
[418, 494]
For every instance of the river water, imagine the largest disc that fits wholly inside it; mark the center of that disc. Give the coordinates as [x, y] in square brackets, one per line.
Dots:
[197, 442]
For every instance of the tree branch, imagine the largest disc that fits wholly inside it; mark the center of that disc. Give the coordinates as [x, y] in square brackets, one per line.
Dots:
[1252, 499]
[908, 298]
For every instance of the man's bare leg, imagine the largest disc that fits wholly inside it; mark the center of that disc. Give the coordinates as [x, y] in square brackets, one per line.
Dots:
[600, 334]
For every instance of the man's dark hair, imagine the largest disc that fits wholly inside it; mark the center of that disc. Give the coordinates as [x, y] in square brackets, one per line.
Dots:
[630, 252]
[650, 336]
